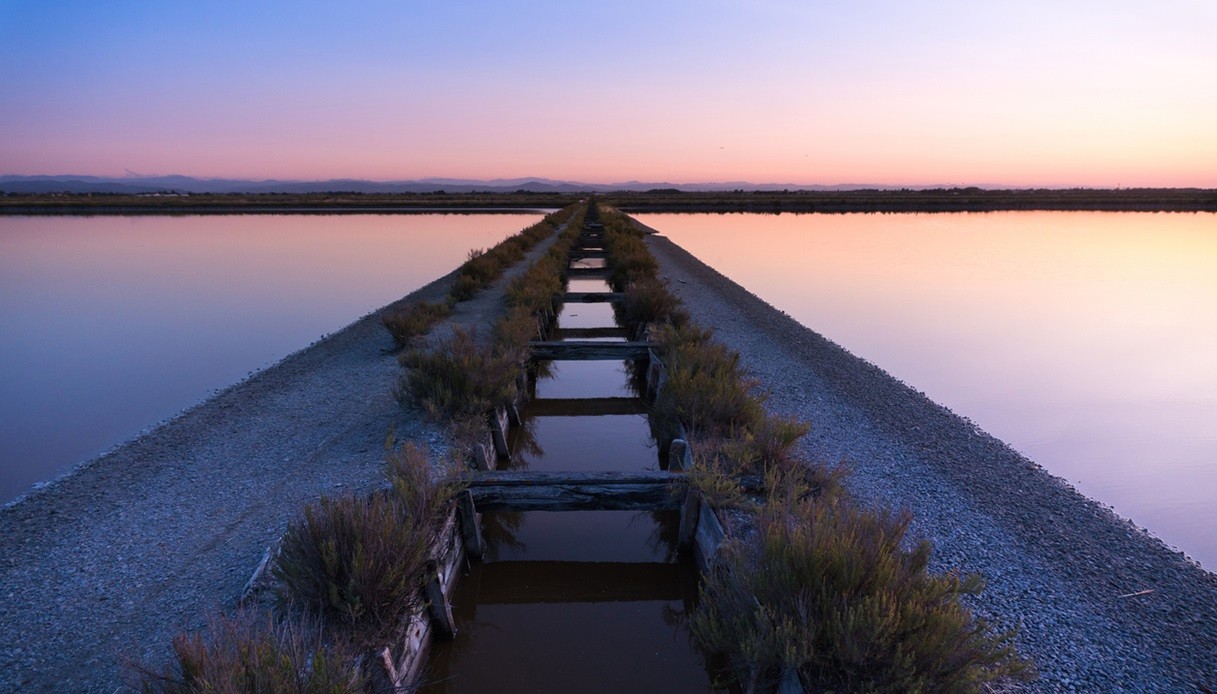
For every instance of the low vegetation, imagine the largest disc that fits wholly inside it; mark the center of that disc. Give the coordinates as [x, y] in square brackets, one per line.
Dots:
[459, 378]
[828, 591]
[823, 589]
[361, 562]
[406, 322]
[253, 651]
[412, 320]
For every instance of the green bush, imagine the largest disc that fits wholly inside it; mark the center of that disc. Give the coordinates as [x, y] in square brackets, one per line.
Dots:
[358, 562]
[648, 301]
[827, 591]
[411, 321]
[706, 389]
[252, 652]
[458, 378]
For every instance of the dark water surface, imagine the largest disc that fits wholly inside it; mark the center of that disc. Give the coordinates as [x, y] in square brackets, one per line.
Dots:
[109, 324]
[586, 601]
[1087, 340]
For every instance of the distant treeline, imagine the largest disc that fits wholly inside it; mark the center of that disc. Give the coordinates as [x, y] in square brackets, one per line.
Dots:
[932, 200]
[274, 203]
[665, 200]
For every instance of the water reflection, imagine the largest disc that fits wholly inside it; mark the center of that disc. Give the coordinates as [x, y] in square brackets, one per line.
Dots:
[113, 323]
[586, 601]
[1085, 339]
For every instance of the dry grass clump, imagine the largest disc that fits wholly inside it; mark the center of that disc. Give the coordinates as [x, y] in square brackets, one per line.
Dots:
[411, 321]
[484, 267]
[459, 378]
[827, 591]
[361, 562]
[254, 652]
[707, 391]
[647, 301]
[628, 255]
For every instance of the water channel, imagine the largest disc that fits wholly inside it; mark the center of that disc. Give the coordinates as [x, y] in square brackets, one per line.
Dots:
[589, 601]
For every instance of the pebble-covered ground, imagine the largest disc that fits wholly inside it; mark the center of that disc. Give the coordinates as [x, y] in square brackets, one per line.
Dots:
[107, 564]
[1057, 565]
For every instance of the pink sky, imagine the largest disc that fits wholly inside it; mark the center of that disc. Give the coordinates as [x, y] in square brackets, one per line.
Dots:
[1095, 94]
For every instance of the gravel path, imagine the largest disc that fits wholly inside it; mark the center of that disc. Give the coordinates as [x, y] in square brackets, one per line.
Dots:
[110, 562]
[1056, 563]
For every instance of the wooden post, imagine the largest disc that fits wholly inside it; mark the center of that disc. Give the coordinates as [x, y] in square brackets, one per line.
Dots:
[680, 456]
[513, 415]
[689, 514]
[709, 536]
[482, 460]
[437, 606]
[498, 432]
[471, 532]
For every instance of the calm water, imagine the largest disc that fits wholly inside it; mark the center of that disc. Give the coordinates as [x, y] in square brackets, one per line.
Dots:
[1086, 340]
[110, 324]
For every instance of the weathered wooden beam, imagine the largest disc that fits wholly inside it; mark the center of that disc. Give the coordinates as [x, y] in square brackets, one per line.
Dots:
[591, 297]
[585, 350]
[558, 491]
[587, 253]
[526, 478]
[680, 456]
[498, 432]
[586, 272]
[708, 538]
[471, 530]
[531, 582]
[583, 407]
[589, 333]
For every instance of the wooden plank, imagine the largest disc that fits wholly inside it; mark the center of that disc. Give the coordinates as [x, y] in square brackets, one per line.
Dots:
[588, 333]
[585, 350]
[591, 297]
[471, 530]
[583, 407]
[525, 478]
[690, 512]
[532, 582]
[708, 538]
[498, 432]
[586, 272]
[578, 253]
[680, 456]
[580, 497]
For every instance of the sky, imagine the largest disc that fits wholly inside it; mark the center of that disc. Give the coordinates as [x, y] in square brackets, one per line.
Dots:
[1111, 93]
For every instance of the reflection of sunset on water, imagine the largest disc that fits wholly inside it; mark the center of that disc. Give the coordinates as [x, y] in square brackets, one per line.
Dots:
[1085, 340]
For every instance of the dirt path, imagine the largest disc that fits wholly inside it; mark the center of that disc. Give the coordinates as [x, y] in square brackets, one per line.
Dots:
[113, 560]
[1057, 564]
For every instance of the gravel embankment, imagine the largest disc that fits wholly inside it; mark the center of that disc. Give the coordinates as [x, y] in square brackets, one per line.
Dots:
[1057, 564]
[108, 563]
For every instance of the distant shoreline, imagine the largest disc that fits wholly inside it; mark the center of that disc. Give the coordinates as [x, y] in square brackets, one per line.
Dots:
[659, 200]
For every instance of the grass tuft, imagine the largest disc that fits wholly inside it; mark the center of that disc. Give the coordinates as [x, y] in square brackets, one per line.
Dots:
[254, 652]
[828, 591]
[460, 378]
[414, 320]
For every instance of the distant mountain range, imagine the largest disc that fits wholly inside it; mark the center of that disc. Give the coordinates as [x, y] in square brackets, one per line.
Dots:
[135, 185]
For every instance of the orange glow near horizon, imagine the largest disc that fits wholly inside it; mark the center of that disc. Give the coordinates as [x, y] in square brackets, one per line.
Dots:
[878, 93]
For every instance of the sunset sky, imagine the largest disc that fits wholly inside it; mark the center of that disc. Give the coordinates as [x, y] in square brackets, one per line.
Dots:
[1029, 93]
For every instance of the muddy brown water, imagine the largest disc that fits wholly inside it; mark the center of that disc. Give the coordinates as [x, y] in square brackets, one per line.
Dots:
[588, 601]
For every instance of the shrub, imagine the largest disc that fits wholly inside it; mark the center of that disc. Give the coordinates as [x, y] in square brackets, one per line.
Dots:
[706, 389]
[359, 562]
[416, 319]
[827, 591]
[648, 301]
[425, 495]
[458, 378]
[252, 652]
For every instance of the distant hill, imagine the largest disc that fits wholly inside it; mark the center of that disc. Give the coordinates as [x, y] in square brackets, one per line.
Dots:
[137, 185]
